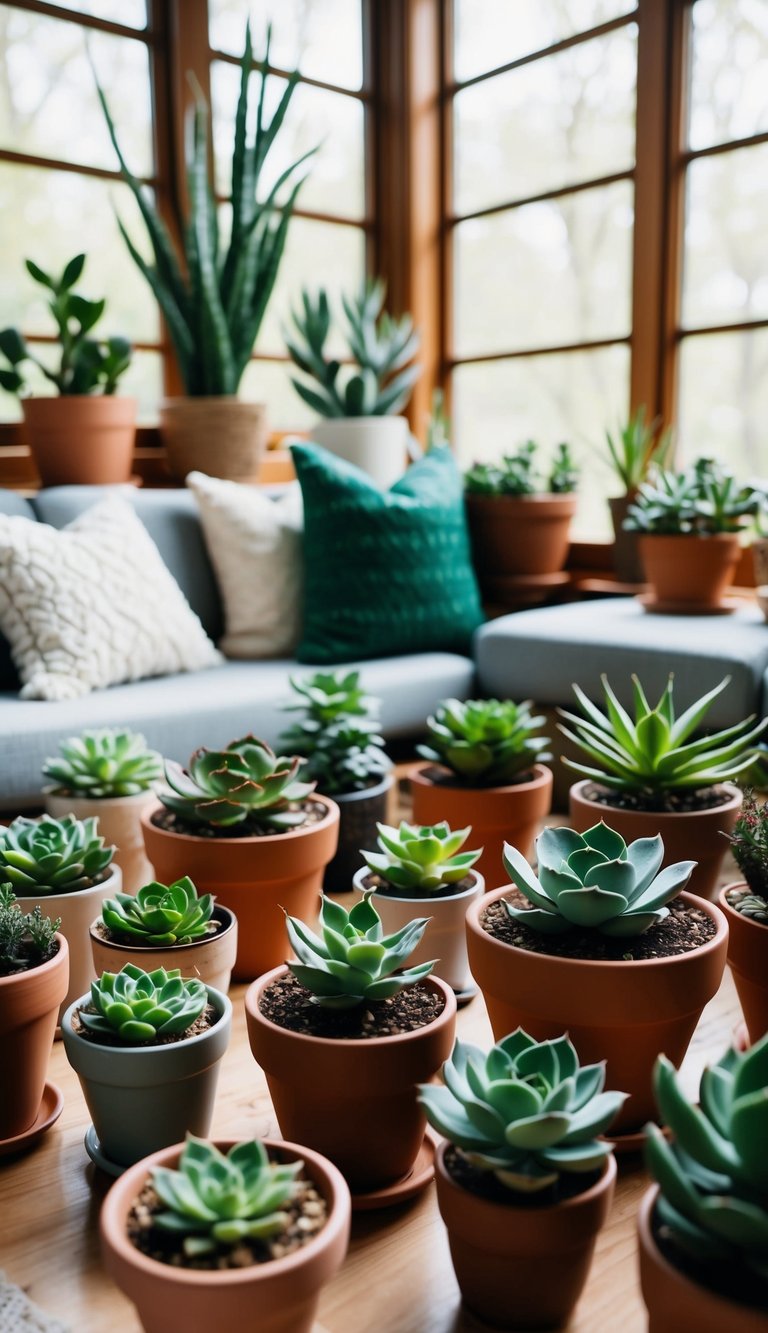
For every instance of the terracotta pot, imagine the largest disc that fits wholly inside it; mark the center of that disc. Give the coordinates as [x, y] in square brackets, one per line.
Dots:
[359, 813]
[623, 1012]
[445, 937]
[276, 1297]
[220, 436]
[696, 835]
[256, 878]
[352, 1100]
[497, 814]
[377, 445]
[688, 571]
[29, 1012]
[514, 535]
[627, 561]
[760, 560]
[81, 439]
[120, 825]
[748, 961]
[522, 1267]
[77, 911]
[675, 1303]
[210, 960]
[143, 1098]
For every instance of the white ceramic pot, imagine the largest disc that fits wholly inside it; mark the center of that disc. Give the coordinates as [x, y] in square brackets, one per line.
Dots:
[120, 826]
[377, 445]
[445, 937]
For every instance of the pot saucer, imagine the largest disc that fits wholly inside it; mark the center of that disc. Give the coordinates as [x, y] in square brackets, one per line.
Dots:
[464, 996]
[99, 1157]
[50, 1109]
[626, 1144]
[661, 607]
[422, 1173]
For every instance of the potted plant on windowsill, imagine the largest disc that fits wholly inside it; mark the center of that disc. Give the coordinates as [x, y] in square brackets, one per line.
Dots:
[146, 1048]
[214, 299]
[745, 905]
[524, 1180]
[337, 735]
[109, 774]
[241, 825]
[704, 1225]
[648, 776]
[632, 451]
[599, 941]
[226, 1235]
[423, 869]
[485, 770]
[344, 1037]
[357, 421]
[86, 434]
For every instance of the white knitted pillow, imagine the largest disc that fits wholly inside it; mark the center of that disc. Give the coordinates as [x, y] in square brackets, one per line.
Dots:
[93, 604]
[255, 545]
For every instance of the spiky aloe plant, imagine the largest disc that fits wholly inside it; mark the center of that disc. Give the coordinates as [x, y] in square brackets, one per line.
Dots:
[159, 914]
[635, 447]
[138, 1006]
[214, 298]
[702, 500]
[416, 860]
[104, 764]
[246, 781]
[47, 855]
[485, 742]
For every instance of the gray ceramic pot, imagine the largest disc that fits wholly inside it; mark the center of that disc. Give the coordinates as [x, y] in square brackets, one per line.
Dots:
[359, 813]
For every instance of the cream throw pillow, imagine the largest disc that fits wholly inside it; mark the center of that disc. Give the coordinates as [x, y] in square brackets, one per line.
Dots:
[255, 545]
[93, 604]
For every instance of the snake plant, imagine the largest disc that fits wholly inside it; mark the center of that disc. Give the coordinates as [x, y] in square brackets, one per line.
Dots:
[159, 914]
[137, 1006]
[104, 764]
[246, 781]
[485, 742]
[47, 855]
[417, 860]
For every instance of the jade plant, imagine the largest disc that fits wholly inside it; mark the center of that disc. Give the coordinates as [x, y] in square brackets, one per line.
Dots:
[594, 881]
[137, 1006]
[27, 939]
[338, 733]
[519, 474]
[47, 855]
[525, 1113]
[713, 1176]
[244, 783]
[749, 845]
[159, 914]
[485, 742]
[703, 500]
[216, 1200]
[104, 764]
[417, 860]
[353, 962]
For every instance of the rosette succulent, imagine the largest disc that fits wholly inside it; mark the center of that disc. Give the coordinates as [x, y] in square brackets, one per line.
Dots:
[159, 914]
[50, 855]
[415, 860]
[485, 742]
[138, 1006]
[525, 1112]
[354, 962]
[104, 764]
[246, 781]
[594, 881]
[338, 733]
[215, 1199]
[27, 939]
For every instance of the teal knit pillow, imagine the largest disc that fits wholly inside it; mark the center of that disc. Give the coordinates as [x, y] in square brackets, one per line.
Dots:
[387, 572]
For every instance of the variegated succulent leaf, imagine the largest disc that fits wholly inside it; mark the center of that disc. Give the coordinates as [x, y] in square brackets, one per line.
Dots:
[247, 780]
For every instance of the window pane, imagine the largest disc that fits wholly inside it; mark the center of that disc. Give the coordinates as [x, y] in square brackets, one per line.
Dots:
[724, 400]
[323, 38]
[50, 107]
[336, 181]
[729, 71]
[545, 274]
[489, 33]
[269, 382]
[725, 277]
[131, 13]
[561, 120]
[574, 396]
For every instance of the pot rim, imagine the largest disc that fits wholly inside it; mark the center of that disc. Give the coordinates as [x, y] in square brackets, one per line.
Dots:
[604, 1181]
[39, 969]
[61, 795]
[183, 400]
[541, 774]
[114, 874]
[330, 817]
[429, 900]
[217, 998]
[724, 808]
[563, 499]
[722, 537]
[149, 949]
[378, 789]
[78, 398]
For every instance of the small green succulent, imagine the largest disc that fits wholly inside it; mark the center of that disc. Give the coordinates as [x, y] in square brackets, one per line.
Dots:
[593, 880]
[751, 905]
[138, 1006]
[524, 1112]
[518, 474]
[27, 939]
[48, 855]
[338, 734]
[104, 764]
[246, 781]
[749, 844]
[420, 859]
[713, 1176]
[216, 1199]
[702, 500]
[355, 962]
[159, 914]
[485, 742]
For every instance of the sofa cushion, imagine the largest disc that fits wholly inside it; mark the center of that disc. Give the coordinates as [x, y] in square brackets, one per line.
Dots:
[16, 506]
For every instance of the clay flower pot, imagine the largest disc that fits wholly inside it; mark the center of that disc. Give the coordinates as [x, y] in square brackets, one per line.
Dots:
[445, 937]
[675, 1303]
[687, 572]
[497, 814]
[142, 1098]
[254, 877]
[279, 1296]
[119, 824]
[522, 1267]
[189, 425]
[210, 960]
[352, 1100]
[513, 535]
[359, 813]
[625, 1012]
[748, 961]
[81, 439]
[29, 1012]
[694, 835]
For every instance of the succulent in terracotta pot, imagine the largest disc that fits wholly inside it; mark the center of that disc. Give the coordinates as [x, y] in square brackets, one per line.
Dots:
[745, 904]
